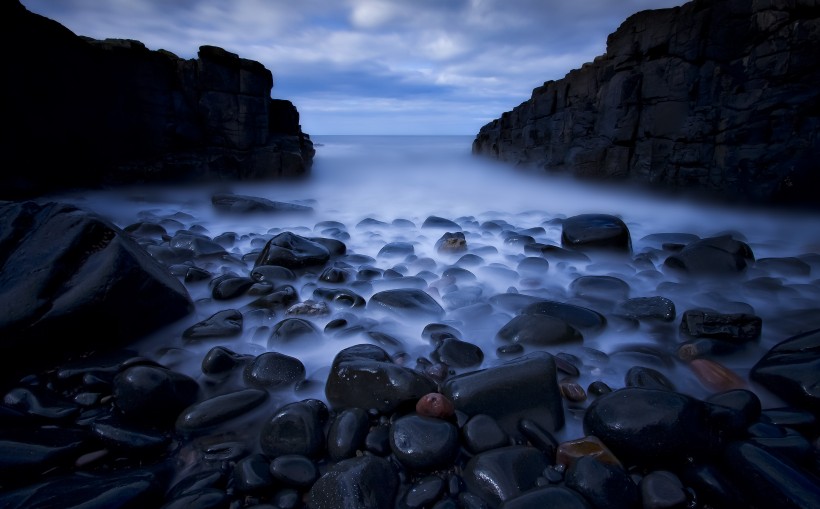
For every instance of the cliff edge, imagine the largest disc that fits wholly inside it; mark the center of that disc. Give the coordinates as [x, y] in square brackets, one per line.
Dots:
[81, 113]
[715, 97]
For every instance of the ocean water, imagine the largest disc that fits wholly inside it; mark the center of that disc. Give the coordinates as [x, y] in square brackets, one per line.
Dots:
[410, 178]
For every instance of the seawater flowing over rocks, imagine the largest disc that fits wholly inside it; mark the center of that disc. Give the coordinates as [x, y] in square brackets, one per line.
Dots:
[515, 359]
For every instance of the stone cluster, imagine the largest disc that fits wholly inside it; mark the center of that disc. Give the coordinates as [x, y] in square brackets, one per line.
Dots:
[219, 414]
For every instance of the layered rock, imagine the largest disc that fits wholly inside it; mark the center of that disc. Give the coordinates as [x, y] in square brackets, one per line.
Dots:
[718, 96]
[84, 113]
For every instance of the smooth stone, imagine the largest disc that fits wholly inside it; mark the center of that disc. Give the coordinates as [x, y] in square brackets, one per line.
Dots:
[153, 394]
[222, 324]
[523, 387]
[281, 298]
[409, 302]
[294, 470]
[715, 376]
[221, 361]
[134, 439]
[481, 433]
[713, 256]
[539, 330]
[424, 443]
[231, 287]
[791, 370]
[340, 298]
[294, 332]
[768, 479]
[199, 244]
[210, 413]
[457, 353]
[503, 474]
[538, 437]
[603, 484]
[440, 223]
[293, 252]
[596, 231]
[590, 446]
[396, 249]
[435, 405]
[578, 316]
[647, 378]
[600, 287]
[272, 273]
[273, 370]
[424, 492]
[661, 489]
[347, 433]
[363, 482]
[252, 475]
[296, 428]
[650, 426]
[365, 376]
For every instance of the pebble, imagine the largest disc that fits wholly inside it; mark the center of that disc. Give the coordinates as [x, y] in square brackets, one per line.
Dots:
[443, 388]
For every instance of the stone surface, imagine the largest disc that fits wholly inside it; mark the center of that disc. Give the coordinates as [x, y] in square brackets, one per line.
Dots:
[63, 268]
[718, 98]
[126, 114]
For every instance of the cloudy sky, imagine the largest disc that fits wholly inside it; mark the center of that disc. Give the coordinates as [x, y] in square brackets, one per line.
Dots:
[375, 66]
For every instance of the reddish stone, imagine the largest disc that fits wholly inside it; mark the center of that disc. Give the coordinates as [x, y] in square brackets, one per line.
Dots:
[436, 405]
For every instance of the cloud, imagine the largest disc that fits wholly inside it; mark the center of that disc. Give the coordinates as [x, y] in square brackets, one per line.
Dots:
[458, 63]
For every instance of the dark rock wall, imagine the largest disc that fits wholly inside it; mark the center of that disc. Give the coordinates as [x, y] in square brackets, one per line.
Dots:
[719, 96]
[79, 112]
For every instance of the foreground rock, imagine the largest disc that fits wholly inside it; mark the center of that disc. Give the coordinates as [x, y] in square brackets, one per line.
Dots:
[74, 282]
[713, 97]
[302, 382]
[126, 114]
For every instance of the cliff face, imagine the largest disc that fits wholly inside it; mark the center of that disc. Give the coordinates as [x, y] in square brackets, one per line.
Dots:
[719, 96]
[85, 113]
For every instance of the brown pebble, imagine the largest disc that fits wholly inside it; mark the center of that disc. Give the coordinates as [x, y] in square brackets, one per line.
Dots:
[716, 376]
[436, 405]
[568, 452]
[572, 391]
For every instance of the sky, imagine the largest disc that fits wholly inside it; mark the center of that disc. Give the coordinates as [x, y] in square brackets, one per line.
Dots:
[375, 66]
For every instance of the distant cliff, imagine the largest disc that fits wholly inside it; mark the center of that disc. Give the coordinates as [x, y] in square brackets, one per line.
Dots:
[82, 113]
[719, 96]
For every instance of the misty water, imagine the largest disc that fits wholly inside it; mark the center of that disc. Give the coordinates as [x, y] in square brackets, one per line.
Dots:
[400, 181]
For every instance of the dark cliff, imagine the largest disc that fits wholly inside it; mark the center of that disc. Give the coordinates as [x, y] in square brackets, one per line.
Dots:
[717, 97]
[83, 113]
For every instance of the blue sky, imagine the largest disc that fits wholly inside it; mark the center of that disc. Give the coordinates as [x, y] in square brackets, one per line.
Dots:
[375, 66]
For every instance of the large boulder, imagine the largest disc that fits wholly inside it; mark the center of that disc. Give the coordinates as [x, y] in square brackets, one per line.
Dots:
[72, 281]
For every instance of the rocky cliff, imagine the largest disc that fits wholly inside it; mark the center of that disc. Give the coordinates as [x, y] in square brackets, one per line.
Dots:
[79, 112]
[718, 96]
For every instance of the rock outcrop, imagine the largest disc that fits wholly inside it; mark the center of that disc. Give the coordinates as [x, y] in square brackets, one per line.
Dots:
[715, 97]
[83, 113]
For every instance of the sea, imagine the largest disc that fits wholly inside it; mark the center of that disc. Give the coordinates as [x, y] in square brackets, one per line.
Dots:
[383, 188]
